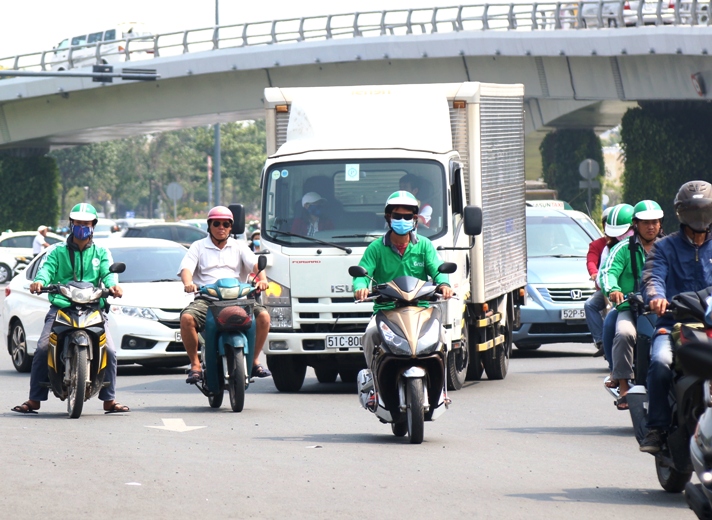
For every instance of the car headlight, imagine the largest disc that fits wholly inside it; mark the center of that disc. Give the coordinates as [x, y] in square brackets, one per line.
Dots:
[428, 342]
[134, 312]
[277, 299]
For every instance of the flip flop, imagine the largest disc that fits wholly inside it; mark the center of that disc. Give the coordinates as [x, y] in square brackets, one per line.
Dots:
[622, 403]
[260, 371]
[24, 408]
[194, 377]
[117, 408]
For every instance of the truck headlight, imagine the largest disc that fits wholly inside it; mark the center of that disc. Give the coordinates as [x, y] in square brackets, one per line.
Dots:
[277, 299]
[134, 312]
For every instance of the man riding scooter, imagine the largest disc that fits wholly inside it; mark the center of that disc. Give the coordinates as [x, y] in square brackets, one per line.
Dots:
[208, 260]
[401, 252]
[679, 262]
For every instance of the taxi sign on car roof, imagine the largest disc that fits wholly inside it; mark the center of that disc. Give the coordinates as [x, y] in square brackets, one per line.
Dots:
[551, 204]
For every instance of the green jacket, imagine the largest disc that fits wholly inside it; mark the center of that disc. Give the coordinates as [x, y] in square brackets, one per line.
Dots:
[90, 265]
[384, 263]
[617, 272]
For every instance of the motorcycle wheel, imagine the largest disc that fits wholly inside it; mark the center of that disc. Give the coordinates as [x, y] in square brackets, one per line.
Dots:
[215, 401]
[236, 384]
[399, 429]
[77, 384]
[326, 375]
[18, 348]
[670, 479]
[414, 413]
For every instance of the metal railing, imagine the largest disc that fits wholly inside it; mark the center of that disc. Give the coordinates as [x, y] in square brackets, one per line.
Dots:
[534, 16]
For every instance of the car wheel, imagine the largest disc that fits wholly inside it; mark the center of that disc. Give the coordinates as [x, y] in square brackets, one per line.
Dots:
[527, 347]
[21, 360]
[5, 273]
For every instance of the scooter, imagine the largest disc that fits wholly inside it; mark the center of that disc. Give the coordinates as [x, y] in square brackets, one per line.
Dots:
[21, 263]
[227, 343]
[672, 463]
[406, 385]
[77, 356]
[695, 357]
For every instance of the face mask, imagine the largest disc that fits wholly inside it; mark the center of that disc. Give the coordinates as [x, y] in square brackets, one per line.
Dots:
[402, 227]
[82, 232]
[314, 210]
[256, 243]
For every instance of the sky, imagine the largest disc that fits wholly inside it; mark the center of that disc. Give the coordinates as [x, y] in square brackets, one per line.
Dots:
[36, 25]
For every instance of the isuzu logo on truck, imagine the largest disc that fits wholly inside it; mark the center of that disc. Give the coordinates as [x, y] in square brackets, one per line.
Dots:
[342, 287]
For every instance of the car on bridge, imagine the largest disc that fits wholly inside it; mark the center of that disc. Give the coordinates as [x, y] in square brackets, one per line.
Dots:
[144, 323]
[558, 283]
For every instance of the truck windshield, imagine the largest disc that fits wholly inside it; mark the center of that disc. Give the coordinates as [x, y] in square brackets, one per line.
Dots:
[343, 201]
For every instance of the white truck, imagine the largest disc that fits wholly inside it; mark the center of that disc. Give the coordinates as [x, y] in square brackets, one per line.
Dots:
[348, 149]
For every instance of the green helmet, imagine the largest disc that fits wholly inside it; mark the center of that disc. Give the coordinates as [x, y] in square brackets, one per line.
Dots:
[648, 210]
[619, 220]
[402, 198]
[83, 211]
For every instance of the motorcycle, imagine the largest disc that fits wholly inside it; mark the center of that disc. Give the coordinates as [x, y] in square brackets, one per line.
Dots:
[695, 357]
[21, 263]
[77, 356]
[227, 343]
[408, 385]
[672, 462]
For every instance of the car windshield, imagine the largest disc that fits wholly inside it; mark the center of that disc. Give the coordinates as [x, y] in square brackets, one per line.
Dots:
[556, 236]
[342, 202]
[148, 264]
[590, 227]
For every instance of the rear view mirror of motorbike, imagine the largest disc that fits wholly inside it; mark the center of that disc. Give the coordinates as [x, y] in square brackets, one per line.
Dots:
[357, 271]
[118, 267]
[261, 262]
[447, 267]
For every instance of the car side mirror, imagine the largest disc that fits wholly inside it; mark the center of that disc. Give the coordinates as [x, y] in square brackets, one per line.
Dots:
[473, 220]
[447, 267]
[238, 218]
[357, 271]
[118, 267]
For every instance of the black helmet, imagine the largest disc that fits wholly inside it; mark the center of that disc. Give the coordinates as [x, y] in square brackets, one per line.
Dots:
[693, 205]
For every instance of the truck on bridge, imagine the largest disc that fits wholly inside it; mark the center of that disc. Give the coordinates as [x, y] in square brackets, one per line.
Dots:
[334, 156]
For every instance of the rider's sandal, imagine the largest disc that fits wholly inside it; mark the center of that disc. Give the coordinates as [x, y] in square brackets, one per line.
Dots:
[260, 371]
[25, 408]
[194, 377]
[611, 383]
[622, 403]
[117, 408]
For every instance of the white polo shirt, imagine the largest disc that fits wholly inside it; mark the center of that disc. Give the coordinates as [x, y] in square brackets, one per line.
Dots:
[208, 263]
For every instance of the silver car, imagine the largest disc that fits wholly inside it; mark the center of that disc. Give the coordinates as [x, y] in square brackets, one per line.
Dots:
[558, 283]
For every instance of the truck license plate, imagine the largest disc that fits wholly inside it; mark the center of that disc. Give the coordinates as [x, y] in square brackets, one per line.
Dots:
[573, 314]
[179, 338]
[343, 341]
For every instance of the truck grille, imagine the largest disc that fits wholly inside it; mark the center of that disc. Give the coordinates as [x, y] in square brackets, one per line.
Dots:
[566, 295]
[333, 328]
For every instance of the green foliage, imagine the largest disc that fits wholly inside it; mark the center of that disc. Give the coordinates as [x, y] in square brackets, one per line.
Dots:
[562, 151]
[665, 145]
[28, 197]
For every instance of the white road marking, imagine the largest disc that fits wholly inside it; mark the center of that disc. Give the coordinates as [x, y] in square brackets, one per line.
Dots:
[175, 425]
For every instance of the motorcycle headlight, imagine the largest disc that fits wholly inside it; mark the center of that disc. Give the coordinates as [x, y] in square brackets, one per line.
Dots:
[134, 312]
[78, 295]
[429, 342]
[393, 341]
[277, 300]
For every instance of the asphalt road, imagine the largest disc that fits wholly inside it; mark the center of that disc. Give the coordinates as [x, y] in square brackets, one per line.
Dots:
[545, 442]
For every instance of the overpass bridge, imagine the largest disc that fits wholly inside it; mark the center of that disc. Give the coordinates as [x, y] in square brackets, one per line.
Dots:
[582, 63]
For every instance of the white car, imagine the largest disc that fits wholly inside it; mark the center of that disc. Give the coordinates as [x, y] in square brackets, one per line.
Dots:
[144, 324]
[18, 244]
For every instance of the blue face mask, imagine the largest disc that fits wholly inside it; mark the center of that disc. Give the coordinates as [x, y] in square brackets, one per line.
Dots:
[82, 232]
[402, 227]
[256, 243]
[314, 210]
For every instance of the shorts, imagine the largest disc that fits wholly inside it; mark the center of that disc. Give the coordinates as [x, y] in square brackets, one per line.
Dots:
[198, 309]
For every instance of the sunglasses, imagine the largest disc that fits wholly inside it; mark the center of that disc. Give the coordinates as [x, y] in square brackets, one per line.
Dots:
[223, 224]
[402, 216]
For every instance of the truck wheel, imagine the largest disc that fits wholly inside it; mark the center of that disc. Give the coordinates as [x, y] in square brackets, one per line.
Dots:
[670, 479]
[458, 360]
[287, 372]
[497, 362]
[326, 375]
[348, 375]
[475, 367]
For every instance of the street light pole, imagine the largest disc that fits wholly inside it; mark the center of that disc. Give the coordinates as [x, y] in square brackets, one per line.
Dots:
[216, 151]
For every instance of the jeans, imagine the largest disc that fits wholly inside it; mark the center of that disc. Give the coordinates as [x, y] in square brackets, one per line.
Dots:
[40, 371]
[609, 332]
[659, 383]
[594, 306]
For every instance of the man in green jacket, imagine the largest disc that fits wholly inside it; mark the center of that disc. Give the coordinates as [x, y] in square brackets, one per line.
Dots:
[76, 259]
[400, 252]
[620, 276]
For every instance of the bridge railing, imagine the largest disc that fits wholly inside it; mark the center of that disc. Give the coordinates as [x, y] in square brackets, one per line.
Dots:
[534, 16]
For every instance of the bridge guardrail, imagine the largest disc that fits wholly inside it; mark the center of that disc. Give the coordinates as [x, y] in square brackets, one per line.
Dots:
[535, 16]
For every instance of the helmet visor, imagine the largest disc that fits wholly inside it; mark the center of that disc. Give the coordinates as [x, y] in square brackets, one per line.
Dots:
[696, 214]
[616, 231]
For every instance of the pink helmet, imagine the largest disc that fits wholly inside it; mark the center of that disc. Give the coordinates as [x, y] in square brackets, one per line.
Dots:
[220, 213]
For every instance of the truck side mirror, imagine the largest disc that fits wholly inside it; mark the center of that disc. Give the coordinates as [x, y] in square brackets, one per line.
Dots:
[238, 218]
[473, 220]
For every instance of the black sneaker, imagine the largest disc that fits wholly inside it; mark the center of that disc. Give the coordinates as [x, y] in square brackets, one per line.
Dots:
[599, 349]
[653, 442]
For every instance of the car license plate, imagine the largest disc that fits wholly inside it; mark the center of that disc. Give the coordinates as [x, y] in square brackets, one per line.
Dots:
[573, 314]
[179, 337]
[353, 341]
